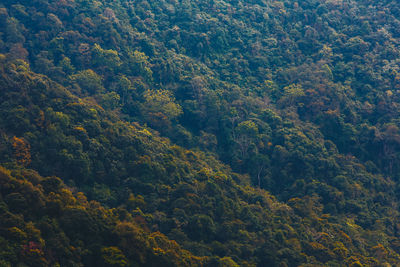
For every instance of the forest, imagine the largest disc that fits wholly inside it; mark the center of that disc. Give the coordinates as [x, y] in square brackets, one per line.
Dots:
[199, 133]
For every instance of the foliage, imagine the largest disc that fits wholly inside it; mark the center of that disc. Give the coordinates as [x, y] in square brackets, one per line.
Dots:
[216, 133]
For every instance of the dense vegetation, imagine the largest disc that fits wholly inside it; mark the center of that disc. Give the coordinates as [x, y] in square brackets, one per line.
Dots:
[208, 133]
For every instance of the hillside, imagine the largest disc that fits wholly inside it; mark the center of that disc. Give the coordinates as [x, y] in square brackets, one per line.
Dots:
[209, 133]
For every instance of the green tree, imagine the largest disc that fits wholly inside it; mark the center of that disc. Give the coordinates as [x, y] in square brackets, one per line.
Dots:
[138, 64]
[89, 81]
[161, 104]
[244, 135]
[105, 60]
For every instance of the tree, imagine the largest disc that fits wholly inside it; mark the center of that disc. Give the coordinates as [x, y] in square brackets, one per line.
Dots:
[113, 257]
[259, 164]
[21, 151]
[244, 134]
[66, 66]
[105, 60]
[138, 65]
[159, 107]
[89, 81]
[110, 100]
[13, 31]
[124, 87]
[292, 94]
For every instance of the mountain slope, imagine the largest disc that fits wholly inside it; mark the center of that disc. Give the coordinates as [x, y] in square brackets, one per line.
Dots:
[185, 114]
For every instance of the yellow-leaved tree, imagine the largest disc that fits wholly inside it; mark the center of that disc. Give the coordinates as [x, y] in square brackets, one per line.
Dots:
[21, 151]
